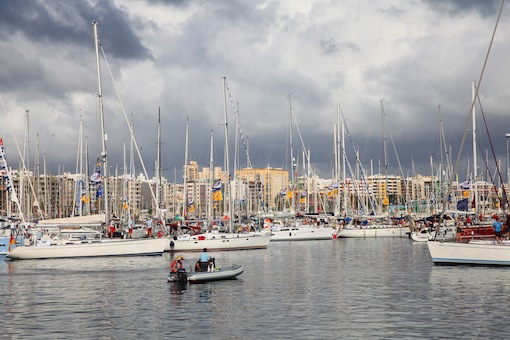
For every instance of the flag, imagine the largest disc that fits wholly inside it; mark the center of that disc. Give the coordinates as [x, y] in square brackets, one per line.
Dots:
[466, 184]
[11, 241]
[217, 196]
[462, 205]
[99, 191]
[96, 176]
[216, 186]
[333, 186]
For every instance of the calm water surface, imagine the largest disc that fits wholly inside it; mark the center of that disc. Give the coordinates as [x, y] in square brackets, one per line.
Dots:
[338, 289]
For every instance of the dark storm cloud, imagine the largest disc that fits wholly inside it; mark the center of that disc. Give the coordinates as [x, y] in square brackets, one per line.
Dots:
[174, 53]
[68, 22]
[175, 3]
[460, 7]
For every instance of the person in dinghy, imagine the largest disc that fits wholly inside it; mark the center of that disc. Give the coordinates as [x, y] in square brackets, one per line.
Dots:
[176, 264]
[177, 272]
[205, 262]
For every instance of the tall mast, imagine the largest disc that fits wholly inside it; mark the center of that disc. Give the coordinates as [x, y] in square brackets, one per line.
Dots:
[385, 198]
[292, 160]
[79, 168]
[132, 172]
[344, 156]
[103, 132]
[211, 175]
[185, 175]
[158, 166]
[125, 201]
[227, 161]
[475, 170]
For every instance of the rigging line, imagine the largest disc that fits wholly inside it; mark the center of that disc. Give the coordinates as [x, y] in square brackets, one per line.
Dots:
[248, 160]
[498, 170]
[236, 113]
[153, 195]
[39, 211]
[485, 161]
[470, 116]
[362, 171]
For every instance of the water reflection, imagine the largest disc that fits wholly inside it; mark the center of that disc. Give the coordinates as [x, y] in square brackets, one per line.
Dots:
[345, 288]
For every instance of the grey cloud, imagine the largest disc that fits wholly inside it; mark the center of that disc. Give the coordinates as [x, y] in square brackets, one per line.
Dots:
[456, 7]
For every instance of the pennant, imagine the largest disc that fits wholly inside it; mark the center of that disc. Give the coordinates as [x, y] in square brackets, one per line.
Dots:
[466, 184]
[99, 191]
[216, 186]
[462, 205]
[217, 196]
[96, 177]
[11, 241]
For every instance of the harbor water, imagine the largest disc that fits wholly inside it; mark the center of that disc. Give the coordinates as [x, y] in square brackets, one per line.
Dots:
[333, 289]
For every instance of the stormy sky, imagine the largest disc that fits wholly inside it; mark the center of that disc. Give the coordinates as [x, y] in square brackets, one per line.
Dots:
[417, 58]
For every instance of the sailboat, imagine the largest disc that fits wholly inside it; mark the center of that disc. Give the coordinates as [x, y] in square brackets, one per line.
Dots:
[214, 239]
[289, 229]
[66, 248]
[381, 225]
[473, 252]
[11, 234]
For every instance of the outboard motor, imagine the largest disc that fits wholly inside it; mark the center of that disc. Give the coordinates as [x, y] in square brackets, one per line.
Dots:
[182, 276]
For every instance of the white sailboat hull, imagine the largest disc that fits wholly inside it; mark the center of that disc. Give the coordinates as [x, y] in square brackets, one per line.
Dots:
[469, 253]
[302, 234]
[93, 248]
[424, 236]
[373, 232]
[217, 241]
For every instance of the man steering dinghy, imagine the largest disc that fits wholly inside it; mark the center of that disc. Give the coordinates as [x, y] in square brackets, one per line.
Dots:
[205, 263]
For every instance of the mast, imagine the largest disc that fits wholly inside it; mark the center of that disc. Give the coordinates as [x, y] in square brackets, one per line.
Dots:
[125, 201]
[10, 184]
[158, 165]
[47, 208]
[185, 175]
[385, 198]
[79, 169]
[344, 156]
[475, 170]
[103, 132]
[227, 161]
[132, 172]
[211, 175]
[292, 160]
